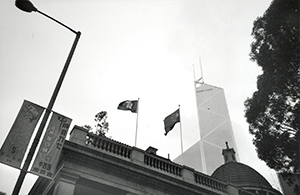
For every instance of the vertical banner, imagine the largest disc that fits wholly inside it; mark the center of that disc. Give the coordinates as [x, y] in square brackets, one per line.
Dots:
[49, 152]
[14, 147]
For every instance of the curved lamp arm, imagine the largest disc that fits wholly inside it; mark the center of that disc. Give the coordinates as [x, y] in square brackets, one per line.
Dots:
[27, 6]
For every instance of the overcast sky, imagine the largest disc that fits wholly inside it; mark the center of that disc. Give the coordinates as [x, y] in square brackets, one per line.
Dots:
[130, 49]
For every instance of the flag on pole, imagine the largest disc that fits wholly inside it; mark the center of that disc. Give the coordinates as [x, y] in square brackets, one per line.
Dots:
[50, 149]
[171, 120]
[131, 105]
[14, 147]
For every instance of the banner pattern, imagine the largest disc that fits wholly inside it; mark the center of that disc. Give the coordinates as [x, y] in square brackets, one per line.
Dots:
[14, 147]
[50, 149]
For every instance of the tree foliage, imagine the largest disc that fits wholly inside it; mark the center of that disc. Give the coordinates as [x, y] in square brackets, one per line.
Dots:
[102, 126]
[273, 112]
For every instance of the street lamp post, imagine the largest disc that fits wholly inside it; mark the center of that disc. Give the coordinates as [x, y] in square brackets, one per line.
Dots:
[27, 6]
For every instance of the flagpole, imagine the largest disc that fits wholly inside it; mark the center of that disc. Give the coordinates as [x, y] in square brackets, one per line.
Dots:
[180, 130]
[137, 119]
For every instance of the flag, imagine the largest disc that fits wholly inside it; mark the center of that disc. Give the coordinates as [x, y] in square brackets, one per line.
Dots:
[171, 120]
[50, 149]
[14, 147]
[131, 105]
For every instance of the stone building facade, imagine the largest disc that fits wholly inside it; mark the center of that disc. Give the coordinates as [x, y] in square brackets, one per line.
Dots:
[97, 165]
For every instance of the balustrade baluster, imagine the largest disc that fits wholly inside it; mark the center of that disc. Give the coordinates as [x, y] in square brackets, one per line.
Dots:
[109, 146]
[129, 156]
[122, 151]
[105, 145]
[127, 153]
[97, 140]
[100, 143]
[118, 149]
[113, 148]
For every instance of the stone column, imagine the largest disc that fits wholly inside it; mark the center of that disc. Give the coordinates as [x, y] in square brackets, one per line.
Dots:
[188, 174]
[65, 185]
[232, 190]
[78, 135]
[137, 156]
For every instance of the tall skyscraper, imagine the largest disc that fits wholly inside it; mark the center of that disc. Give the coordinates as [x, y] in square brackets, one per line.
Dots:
[214, 130]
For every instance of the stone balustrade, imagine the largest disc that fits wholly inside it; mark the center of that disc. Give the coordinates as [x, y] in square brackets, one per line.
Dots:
[202, 179]
[162, 164]
[140, 157]
[108, 145]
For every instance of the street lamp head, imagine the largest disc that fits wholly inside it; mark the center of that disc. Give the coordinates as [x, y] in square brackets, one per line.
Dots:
[25, 5]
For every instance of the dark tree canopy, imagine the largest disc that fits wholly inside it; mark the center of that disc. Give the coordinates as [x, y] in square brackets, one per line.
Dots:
[273, 112]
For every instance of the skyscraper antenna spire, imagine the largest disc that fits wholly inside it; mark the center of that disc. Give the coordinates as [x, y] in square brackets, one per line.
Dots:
[202, 78]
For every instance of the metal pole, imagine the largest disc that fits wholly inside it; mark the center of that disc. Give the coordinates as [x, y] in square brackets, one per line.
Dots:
[180, 130]
[137, 121]
[36, 140]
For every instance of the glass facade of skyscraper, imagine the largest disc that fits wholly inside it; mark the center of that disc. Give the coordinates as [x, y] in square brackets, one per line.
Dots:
[214, 130]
